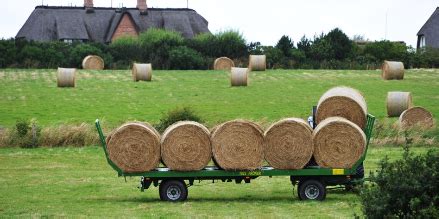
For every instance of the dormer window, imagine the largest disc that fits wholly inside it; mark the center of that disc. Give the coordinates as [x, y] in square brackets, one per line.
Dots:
[422, 41]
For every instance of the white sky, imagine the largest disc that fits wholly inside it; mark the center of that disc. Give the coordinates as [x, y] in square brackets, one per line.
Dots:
[267, 20]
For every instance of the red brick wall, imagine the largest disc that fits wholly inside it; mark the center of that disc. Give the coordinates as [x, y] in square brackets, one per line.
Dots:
[126, 28]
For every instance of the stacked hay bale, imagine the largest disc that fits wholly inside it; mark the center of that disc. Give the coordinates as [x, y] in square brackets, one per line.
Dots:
[238, 145]
[343, 102]
[416, 117]
[142, 72]
[392, 70]
[398, 102]
[185, 146]
[134, 147]
[239, 76]
[223, 63]
[288, 144]
[257, 63]
[93, 62]
[66, 77]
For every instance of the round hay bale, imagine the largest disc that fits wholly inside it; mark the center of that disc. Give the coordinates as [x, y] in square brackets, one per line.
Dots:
[239, 76]
[344, 102]
[288, 144]
[223, 63]
[93, 62]
[398, 102]
[134, 147]
[416, 117]
[66, 77]
[185, 146]
[392, 70]
[238, 145]
[142, 72]
[338, 143]
[257, 62]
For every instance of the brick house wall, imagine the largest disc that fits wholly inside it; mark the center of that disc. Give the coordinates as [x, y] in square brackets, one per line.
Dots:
[126, 28]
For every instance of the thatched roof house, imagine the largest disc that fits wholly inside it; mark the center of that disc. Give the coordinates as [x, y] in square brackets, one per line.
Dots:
[428, 35]
[88, 23]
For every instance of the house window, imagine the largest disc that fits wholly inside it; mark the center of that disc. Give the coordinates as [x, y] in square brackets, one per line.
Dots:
[422, 41]
[69, 41]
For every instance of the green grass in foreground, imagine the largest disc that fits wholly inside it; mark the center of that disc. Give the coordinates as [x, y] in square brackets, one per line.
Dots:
[270, 96]
[76, 182]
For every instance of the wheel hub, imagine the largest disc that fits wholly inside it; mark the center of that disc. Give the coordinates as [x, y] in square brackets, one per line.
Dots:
[173, 193]
[312, 192]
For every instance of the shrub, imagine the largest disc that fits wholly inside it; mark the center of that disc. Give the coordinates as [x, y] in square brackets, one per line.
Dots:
[80, 51]
[178, 114]
[25, 134]
[126, 50]
[406, 188]
[8, 54]
[185, 58]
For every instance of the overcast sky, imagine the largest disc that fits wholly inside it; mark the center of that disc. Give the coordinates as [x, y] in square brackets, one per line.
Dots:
[267, 20]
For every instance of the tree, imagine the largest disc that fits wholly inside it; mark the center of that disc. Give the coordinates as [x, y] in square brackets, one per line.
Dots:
[339, 43]
[285, 44]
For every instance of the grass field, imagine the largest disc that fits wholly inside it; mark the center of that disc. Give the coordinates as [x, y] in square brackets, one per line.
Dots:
[271, 95]
[77, 182]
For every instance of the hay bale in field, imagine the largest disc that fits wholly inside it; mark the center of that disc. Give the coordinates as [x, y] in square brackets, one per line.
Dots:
[288, 144]
[392, 70]
[134, 147]
[338, 143]
[398, 102]
[185, 146]
[66, 77]
[239, 76]
[223, 63]
[257, 63]
[93, 62]
[142, 72]
[344, 102]
[238, 145]
[416, 117]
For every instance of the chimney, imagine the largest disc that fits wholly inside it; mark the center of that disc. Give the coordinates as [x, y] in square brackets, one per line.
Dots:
[88, 5]
[141, 5]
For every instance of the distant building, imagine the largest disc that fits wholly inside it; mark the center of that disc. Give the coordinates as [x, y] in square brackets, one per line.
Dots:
[428, 36]
[94, 24]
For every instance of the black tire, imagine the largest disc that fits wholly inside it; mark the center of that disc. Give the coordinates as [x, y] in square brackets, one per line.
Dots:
[359, 172]
[173, 190]
[312, 190]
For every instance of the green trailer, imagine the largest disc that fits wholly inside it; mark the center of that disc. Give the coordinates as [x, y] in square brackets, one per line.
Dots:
[312, 180]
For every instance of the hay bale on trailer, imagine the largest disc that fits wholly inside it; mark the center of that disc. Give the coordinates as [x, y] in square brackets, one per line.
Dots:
[93, 62]
[338, 143]
[239, 76]
[223, 63]
[66, 77]
[238, 145]
[417, 117]
[392, 70]
[185, 146]
[257, 63]
[398, 102]
[288, 144]
[344, 102]
[142, 72]
[134, 147]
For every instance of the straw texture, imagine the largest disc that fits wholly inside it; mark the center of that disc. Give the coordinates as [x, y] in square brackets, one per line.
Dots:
[185, 146]
[398, 102]
[338, 143]
[134, 147]
[93, 62]
[142, 72]
[344, 102]
[238, 145]
[257, 63]
[288, 144]
[223, 63]
[416, 117]
[66, 77]
[239, 76]
[392, 70]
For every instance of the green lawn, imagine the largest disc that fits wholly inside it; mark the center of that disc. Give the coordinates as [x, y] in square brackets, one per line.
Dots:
[270, 96]
[77, 182]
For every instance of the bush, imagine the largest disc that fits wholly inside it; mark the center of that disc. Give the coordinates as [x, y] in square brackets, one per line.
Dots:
[185, 58]
[25, 134]
[178, 114]
[126, 50]
[406, 188]
[8, 54]
[228, 43]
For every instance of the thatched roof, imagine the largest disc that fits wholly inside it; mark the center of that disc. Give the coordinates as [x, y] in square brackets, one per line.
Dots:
[431, 30]
[47, 23]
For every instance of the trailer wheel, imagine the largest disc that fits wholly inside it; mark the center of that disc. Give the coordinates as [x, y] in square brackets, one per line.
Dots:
[312, 190]
[173, 190]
